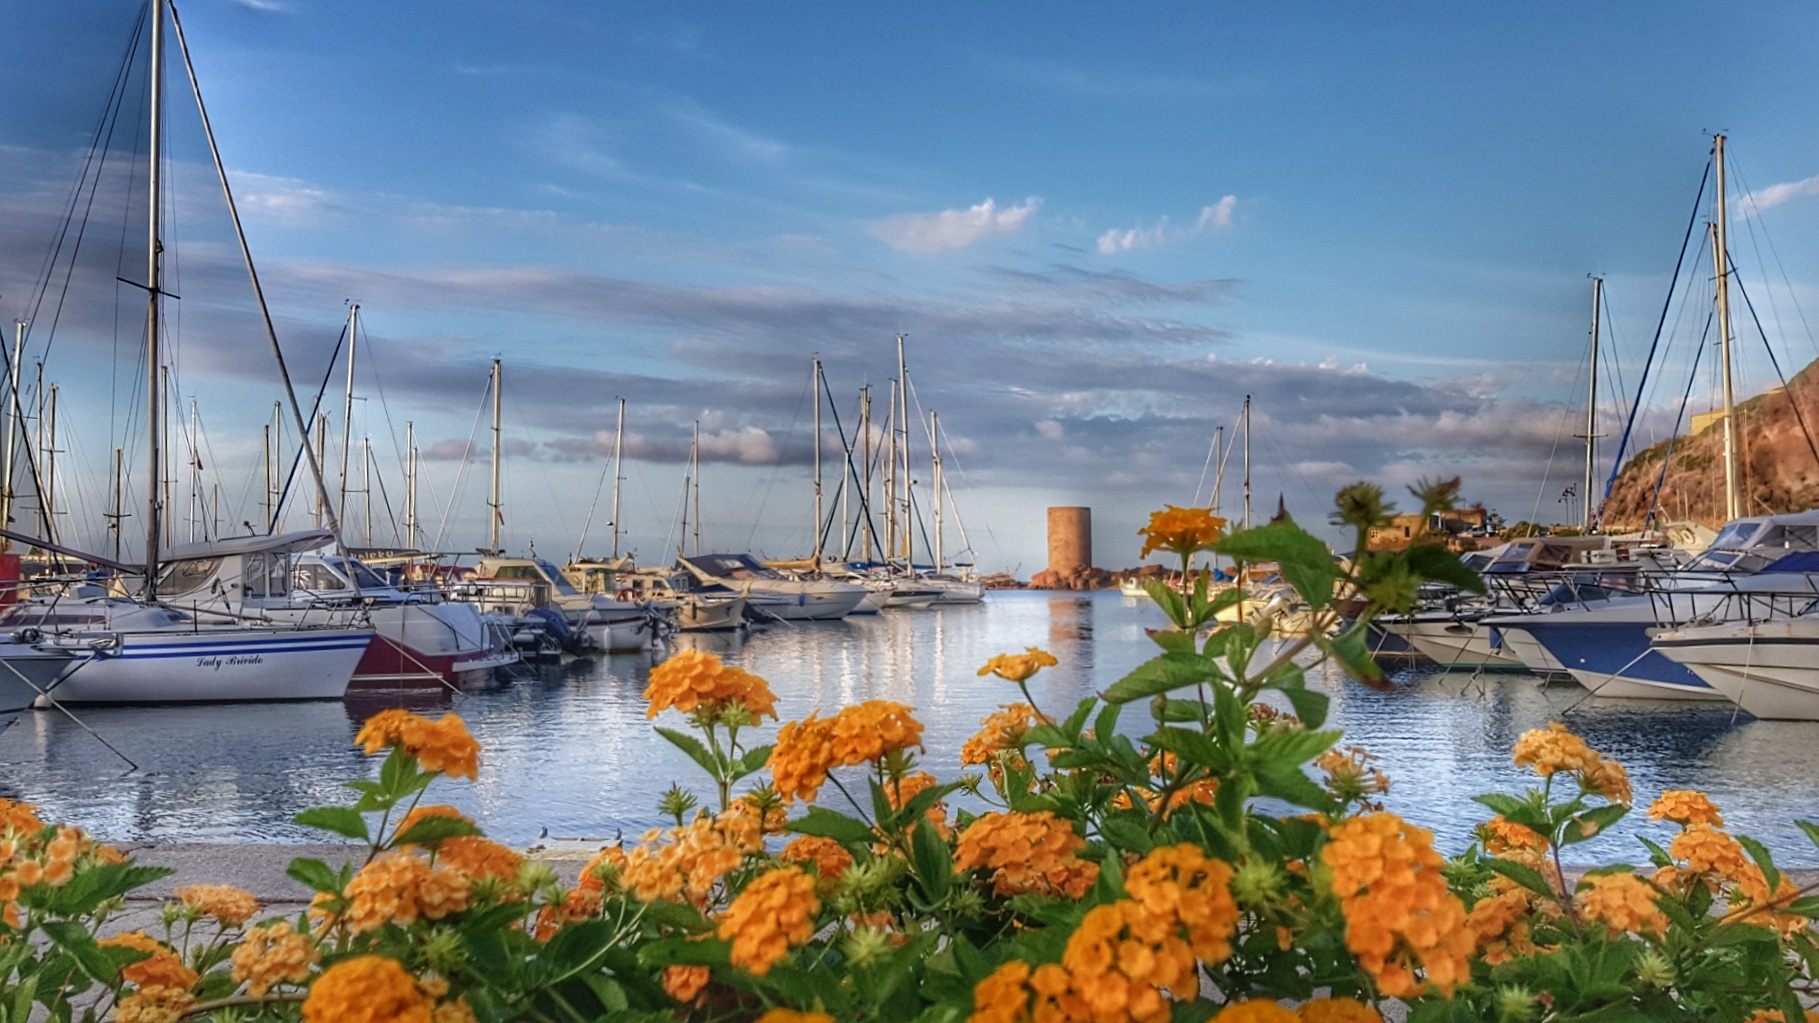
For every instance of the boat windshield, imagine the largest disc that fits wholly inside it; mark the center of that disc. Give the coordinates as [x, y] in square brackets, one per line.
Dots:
[366, 577]
[733, 566]
[1751, 546]
[557, 579]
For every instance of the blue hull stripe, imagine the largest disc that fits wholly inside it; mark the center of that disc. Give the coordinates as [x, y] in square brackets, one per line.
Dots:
[1613, 648]
[232, 649]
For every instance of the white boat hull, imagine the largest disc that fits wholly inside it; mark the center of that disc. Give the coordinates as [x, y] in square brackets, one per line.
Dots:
[1454, 644]
[694, 614]
[1770, 669]
[213, 666]
[1530, 652]
[805, 605]
[626, 635]
[27, 673]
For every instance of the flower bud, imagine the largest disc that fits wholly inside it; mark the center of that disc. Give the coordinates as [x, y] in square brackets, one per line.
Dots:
[1515, 1004]
[865, 945]
[1654, 969]
[1257, 884]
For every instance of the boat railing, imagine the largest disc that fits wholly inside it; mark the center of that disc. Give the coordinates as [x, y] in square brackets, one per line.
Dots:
[1716, 605]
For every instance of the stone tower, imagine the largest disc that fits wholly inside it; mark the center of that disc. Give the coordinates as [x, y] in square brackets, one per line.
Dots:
[1070, 540]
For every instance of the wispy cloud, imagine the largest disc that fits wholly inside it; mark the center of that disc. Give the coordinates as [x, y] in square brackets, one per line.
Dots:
[953, 229]
[1775, 195]
[1099, 83]
[1216, 217]
[268, 6]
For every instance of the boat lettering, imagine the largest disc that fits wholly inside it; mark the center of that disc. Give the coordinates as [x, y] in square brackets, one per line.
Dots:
[231, 661]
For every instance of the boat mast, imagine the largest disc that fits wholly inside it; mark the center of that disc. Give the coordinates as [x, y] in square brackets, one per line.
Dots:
[865, 431]
[1591, 408]
[1219, 472]
[1733, 494]
[410, 484]
[366, 487]
[694, 457]
[154, 398]
[50, 470]
[118, 513]
[1247, 461]
[498, 513]
[321, 448]
[888, 482]
[618, 473]
[934, 450]
[12, 430]
[196, 501]
[909, 488]
[815, 386]
[347, 405]
[272, 494]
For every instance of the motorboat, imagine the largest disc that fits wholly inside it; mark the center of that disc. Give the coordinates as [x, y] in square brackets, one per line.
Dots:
[694, 607]
[1768, 668]
[770, 593]
[521, 585]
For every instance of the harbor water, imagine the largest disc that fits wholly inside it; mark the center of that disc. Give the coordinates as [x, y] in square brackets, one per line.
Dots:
[569, 753]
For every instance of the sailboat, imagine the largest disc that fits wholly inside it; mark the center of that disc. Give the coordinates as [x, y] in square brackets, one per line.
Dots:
[141, 650]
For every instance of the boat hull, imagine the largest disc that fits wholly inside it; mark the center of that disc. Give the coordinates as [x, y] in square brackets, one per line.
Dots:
[27, 674]
[415, 644]
[1457, 644]
[803, 605]
[203, 666]
[696, 615]
[1612, 658]
[1769, 669]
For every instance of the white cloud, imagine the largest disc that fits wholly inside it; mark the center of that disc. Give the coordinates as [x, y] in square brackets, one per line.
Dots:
[749, 446]
[1216, 217]
[1050, 429]
[1218, 214]
[953, 229]
[1775, 195]
[270, 6]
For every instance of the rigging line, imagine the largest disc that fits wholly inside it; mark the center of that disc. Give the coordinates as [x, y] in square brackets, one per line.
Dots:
[1613, 364]
[290, 475]
[1667, 456]
[385, 496]
[599, 488]
[776, 470]
[454, 492]
[1792, 401]
[120, 270]
[959, 521]
[1793, 296]
[953, 455]
[1648, 363]
[1559, 431]
[847, 445]
[1212, 448]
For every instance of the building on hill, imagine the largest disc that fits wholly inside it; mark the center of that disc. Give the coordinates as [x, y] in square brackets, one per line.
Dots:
[1464, 529]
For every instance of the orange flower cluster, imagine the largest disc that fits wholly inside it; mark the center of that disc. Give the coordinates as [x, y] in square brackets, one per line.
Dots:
[399, 887]
[33, 854]
[775, 913]
[232, 906]
[1713, 858]
[901, 790]
[829, 857]
[1182, 885]
[1166, 765]
[17, 819]
[1019, 667]
[271, 955]
[1399, 915]
[1003, 729]
[1554, 750]
[366, 989]
[1181, 530]
[1255, 1010]
[472, 855]
[806, 750]
[1499, 922]
[685, 983]
[692, 680]
[782, 1015]
[443, 745]
[1027, 852]
[1337, 1010]
[686, 862]
[1501, 836]
[1349, 774]
[162, 967]
[1624, 902]
[1684, 807]
[154, 1004]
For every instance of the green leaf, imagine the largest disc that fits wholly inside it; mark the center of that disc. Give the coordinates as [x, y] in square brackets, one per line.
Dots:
[933, 862]
[828, 824]
[1292, 747]
[1174, 641]
[1127, 835]
[692, 746]
[1290, 784]
[1759, 853]
[753, 760]
[1172, 603]
[1519, 811]
[1310, 704]
[73, 938]
[1105, 726]
[1600, 818]
[314, 875]
[341, 820]
[1811, 829]
[1527, 877]
[1304, 560]
[1441, 565]
[1353, 652]
[1162, 674]
[1193, 747]
[431, 830]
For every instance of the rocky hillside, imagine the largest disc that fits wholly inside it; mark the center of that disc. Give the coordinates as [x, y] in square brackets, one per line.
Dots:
[1779, 470]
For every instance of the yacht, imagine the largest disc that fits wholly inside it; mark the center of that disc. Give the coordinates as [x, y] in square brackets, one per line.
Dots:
[769, 592]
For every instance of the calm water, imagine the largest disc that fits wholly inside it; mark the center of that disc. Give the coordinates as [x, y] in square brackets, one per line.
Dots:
[569, 750]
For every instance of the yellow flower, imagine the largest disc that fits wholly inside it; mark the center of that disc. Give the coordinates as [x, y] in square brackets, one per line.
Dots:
[18, 818]
[1625, 902]
[1685, 807]
[1180, 884]
[901, 790]
[1027, 852]
[271, 955]
[232, 906]
[155, 1003]
[1400, 916]
[443, 745]
[1181, 530]
[1002, 997]
[687, 862]
[1501, 836]
[685, 983]
[867, 731]
[829, 857]
[775, 913]
[782, 1015]
[1003, 729]
[692, 679]
[366, 989]
[398, 887]
[1019, 667]
[1337, 1010]
[801, 758]
[1121, 959]
[1553, 750]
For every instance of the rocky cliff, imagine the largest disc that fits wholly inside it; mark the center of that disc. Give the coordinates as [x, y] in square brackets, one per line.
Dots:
[1780, 472]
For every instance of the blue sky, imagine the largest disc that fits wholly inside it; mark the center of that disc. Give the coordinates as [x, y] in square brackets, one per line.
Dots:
[1100, 228]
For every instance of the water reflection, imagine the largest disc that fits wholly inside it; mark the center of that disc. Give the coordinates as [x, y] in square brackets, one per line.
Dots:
[568, 748]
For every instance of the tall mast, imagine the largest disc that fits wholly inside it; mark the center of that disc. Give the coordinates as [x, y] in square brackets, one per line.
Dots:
[366, 487]
[1219, 470]
[196, 500]
[1591, 409]
[115, 517]
[265, 470]
[815, 386]
[154, 398]
[347, 405]
[410, 484]
[865, 431]
[1247, 461]
[1733, 492]
[909, 489]
[13, 409]
[50, 469]
[618, 473]
[273, 493]
[498, 513]
[321, 445]
[934, 450]
[695, 474]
